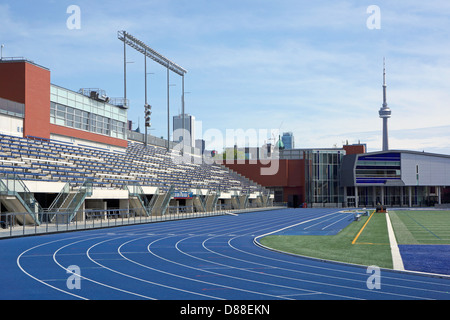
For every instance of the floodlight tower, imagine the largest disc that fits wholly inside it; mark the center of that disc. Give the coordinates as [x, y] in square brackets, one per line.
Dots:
[140, 46]
[385, 112]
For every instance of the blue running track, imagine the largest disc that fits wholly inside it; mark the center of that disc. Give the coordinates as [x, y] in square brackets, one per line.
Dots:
[208, 258]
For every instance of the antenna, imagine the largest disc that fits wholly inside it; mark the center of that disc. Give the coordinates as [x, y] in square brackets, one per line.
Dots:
[385, 112]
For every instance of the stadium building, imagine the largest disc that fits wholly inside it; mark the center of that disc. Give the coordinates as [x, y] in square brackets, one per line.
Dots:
[350, 177]
[71, 152]
[303, 177]
[395, 179]
[67, 151]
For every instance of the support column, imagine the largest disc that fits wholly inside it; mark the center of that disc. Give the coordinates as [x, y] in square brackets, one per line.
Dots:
[402, 194]
[410, 196]
[345, 197]
[374, 196]
[438, 190]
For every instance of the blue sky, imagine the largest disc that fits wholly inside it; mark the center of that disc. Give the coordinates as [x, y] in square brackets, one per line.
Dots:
[310, 67]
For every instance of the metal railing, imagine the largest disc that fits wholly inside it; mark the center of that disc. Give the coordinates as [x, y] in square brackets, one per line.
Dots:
[11, 226]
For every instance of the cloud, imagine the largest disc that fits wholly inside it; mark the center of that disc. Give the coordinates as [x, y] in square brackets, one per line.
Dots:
[310, 67]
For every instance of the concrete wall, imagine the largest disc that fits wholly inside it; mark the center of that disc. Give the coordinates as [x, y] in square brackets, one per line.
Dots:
[425, 170]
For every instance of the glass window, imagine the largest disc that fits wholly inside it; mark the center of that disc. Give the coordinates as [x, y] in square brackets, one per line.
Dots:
[61, 114]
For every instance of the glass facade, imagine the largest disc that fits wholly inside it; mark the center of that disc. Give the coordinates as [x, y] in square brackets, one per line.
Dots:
[74, 110]
[322, 176]
[399, 196]
[12, 108]
[378, 168]
[388, 179]
[288, 140]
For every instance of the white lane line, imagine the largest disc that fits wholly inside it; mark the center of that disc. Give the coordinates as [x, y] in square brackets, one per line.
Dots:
[395, 251]
[94, 281]
[133, 277]
[39, 280]
[161, 271]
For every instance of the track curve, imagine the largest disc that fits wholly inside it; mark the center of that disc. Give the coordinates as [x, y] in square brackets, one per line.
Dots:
[211, 258]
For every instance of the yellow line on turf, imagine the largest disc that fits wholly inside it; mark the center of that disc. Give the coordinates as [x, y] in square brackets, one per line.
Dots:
[381, 244]
[360, 231]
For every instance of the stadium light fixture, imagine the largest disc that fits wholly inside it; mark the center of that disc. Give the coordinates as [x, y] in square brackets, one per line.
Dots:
[141, 47]
[149, 52]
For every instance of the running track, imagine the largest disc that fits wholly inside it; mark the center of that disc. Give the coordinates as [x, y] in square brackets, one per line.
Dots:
[207, 258]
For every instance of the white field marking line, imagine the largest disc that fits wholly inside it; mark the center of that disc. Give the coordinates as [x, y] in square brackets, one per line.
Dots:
[293, 270]
[315, 224]
[307, 266]
[244, 260]
[206, 271]
[290, 270]
[344, 271]
[297, 224]
[164, 272]
[266, 274]
[136, 278]
[339, 278]
[94, 281]
[190, 267]
[395, 251]
[238, 278]
[346, 217]
[213, 223]
[384, 276]
[39, 280]
[264, 223]
[139, 228]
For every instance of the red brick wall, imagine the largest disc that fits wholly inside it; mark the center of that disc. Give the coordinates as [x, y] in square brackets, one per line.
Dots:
[12, 81]
[37, 102]
[290, 175]
[27, 83]
[354, 149]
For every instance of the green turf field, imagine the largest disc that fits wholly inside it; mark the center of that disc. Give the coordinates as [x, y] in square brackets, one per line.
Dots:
[421, 226]
[371, 248]
[372, 245]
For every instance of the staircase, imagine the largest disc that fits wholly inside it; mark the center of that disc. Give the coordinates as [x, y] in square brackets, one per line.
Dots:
[17, 198]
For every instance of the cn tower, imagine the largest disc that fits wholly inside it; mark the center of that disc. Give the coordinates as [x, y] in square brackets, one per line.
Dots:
[385, 112]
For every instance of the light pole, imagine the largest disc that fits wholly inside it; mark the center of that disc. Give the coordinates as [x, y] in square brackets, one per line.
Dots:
[168, 109]
[182, 109]
[145, 76]
[146, 105]
[1, 51]
[141, 47]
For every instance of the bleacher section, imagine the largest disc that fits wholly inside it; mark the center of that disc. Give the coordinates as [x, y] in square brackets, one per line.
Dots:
[49, 160]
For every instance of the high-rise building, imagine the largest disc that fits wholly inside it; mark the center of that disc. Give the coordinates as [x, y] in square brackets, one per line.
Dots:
[385, 113]
[189, 129]
[288, 140]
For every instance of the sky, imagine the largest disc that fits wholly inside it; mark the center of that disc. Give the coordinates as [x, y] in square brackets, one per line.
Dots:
[256, 68]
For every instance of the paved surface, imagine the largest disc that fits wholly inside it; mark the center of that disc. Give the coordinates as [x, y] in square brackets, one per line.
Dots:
[207, 258]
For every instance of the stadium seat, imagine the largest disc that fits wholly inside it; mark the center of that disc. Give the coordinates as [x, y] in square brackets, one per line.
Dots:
[50, 160]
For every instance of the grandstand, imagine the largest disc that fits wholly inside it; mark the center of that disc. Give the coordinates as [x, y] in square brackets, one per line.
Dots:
[143, 178]
[69, 152]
